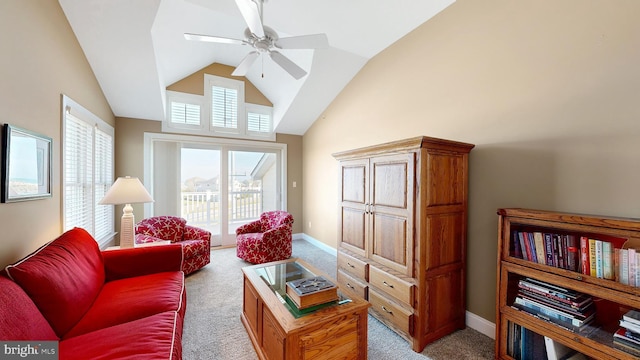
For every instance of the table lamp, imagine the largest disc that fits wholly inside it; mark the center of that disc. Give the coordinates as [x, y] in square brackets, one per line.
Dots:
[126, 190]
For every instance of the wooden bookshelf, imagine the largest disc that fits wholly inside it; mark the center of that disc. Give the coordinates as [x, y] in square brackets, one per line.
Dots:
[611, 298]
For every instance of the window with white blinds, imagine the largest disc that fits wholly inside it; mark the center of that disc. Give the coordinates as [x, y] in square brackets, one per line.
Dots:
[87, 171]
[221, 111]
[224, 107]
[259, 121]
[187, 114]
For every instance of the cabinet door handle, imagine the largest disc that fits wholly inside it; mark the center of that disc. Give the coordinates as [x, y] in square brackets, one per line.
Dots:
[350, 287]
[387, 284]
[387, 310]
[351, 266]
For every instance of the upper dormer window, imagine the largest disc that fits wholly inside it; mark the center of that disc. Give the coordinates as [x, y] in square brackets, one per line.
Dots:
[220, 112]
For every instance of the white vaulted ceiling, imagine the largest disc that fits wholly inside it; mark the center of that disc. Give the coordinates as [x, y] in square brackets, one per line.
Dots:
[136, 48]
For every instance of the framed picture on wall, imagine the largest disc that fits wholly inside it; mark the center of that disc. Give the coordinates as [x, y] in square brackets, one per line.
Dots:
[26, 165]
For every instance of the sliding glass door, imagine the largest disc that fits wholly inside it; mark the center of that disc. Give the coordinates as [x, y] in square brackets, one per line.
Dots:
[200, 189]
[219, 185]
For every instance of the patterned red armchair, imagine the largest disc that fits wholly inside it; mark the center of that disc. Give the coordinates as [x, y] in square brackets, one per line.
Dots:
[196, 242]
[267, 239]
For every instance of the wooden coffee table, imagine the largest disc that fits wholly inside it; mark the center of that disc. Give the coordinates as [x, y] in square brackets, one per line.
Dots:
[278, 330]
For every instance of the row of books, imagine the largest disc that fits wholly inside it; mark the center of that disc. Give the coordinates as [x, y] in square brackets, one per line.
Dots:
[569, 309]
[627, 338]
[558, 250]
[525, 344]
[604, 259]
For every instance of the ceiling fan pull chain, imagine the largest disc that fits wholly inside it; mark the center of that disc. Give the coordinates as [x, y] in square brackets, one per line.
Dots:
[262, 59]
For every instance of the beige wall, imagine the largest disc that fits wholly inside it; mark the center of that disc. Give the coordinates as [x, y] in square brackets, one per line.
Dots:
[547, 90]
[40, 60]
[194, 84]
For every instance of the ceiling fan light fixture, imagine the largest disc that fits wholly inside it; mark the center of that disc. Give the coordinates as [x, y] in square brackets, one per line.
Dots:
[265, 40]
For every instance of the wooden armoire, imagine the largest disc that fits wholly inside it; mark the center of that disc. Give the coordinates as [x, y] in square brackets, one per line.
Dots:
[402, 230]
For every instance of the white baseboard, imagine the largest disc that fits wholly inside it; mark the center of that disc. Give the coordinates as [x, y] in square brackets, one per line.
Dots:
[317, 243]
[473, 321]
[481, 325]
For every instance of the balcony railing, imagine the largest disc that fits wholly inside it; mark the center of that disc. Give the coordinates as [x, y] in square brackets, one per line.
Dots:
[203, 209]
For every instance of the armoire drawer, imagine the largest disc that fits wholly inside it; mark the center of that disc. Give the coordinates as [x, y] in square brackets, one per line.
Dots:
[393, 313]
[357, 268]
[349, 283]
[391, 285]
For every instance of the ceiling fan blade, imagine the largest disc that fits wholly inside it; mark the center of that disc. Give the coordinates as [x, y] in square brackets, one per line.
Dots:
[245, 64]
[215, 39]
[289, 66]
[316, 41]
[252, 16]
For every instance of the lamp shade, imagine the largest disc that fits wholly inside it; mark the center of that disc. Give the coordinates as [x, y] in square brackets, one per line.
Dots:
[126, 190]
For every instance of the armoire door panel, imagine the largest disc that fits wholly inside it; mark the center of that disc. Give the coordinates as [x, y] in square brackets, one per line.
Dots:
[354, 175]
[354, 228]
[447, 233]
[391, 179]
[446, 303]
[390, 185]
[390, 240]
[446, 178]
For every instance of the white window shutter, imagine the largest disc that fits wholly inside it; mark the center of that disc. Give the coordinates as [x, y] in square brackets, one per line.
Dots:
[186, 114]
[224, 107]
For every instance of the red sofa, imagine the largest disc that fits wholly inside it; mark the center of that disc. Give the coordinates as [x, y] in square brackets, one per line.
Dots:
[116, 304]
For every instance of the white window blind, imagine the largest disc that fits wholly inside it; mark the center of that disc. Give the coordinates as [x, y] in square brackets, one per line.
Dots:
[103, 178]
[78, 152]
[258, 122]
[183, 113]
[87, 171]
[224, 107]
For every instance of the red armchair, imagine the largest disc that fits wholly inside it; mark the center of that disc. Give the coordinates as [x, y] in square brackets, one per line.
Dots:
[267, 239]
[196, 242]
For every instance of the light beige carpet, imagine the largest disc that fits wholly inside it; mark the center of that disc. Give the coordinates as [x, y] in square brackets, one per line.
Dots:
[213, 330]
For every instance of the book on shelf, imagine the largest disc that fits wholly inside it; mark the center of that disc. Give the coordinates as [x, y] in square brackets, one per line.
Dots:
[607, 261]
[524, 244]
[624, 266]
[584, 255]
[632, 316]
[548, 249]
[599, 271]
[631, 253]
[630, 326]
[626, 343]
[538, 240]
[593, 262]
[556, 250]
[515, 245]
[572, 253]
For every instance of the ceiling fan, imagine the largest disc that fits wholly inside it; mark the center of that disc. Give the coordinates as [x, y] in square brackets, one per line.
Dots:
[265, 40]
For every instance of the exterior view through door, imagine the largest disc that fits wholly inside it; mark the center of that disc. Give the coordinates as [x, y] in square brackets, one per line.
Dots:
[217, 186]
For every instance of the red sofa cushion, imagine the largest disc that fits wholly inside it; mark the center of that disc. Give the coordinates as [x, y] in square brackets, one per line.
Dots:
[20, 319]
[63, 278]
[155, 337]
[133, 298]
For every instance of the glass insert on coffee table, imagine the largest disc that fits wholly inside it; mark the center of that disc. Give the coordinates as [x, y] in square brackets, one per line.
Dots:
[278, 275]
